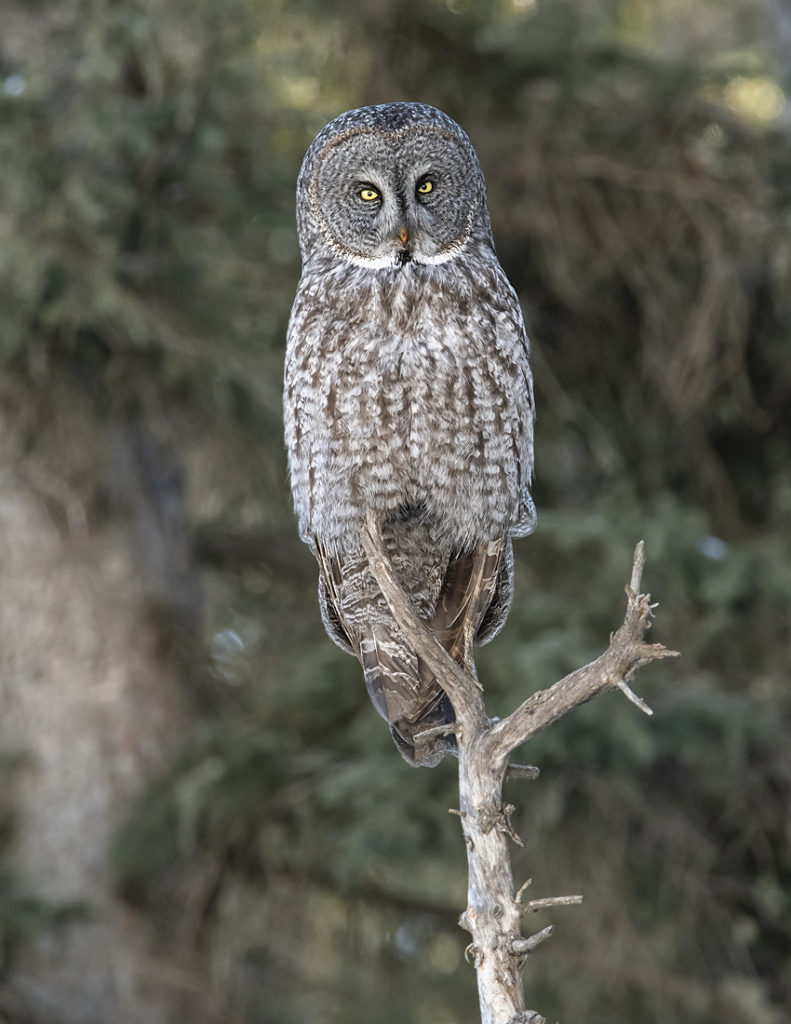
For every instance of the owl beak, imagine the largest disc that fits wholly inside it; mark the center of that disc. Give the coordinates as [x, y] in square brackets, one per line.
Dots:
[402, 234]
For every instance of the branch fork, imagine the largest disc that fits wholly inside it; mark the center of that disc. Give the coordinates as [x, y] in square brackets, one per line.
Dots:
[493, 914]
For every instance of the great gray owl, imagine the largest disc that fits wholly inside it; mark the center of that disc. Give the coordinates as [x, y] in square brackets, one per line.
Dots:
[408, 392]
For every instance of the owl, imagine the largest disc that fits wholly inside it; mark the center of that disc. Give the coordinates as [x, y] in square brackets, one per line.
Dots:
[408, 393]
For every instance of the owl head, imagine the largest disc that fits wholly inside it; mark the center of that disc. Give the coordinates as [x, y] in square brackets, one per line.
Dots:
[391, 185]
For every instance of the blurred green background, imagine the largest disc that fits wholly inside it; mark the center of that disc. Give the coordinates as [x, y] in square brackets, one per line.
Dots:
[202, 817]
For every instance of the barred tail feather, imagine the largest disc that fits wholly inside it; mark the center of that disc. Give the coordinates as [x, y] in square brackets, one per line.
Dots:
[466, 599]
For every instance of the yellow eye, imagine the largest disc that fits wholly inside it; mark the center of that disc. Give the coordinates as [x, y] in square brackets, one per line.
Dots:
[368, 194]
[425, 187]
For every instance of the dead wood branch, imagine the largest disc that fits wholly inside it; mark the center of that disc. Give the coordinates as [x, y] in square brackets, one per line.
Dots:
[498, 949]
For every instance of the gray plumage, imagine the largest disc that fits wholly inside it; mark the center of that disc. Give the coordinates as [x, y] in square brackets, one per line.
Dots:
[407, 391]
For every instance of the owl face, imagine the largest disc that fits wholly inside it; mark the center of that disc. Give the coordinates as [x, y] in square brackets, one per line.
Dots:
[394, 189]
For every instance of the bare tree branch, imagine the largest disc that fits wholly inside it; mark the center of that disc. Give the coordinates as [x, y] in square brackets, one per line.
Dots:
[498, 950]
[627, 652]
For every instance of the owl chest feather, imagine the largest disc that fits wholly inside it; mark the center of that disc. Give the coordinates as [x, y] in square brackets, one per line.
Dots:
[406, 402]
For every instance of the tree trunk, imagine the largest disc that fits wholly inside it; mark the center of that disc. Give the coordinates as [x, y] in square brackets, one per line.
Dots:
[491, 910]
[93, 700]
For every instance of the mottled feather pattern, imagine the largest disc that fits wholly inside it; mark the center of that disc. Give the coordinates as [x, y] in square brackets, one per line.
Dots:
[408, 392]
[408, 408]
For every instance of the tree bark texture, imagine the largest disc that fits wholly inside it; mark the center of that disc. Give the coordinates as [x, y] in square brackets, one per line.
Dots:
[93, 703]
[492, 916]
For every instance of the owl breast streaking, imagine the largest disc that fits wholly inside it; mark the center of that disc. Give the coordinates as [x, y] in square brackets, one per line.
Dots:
[407, 392]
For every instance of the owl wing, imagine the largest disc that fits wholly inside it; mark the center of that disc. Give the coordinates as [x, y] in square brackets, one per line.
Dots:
[357, 617]
[465, 609]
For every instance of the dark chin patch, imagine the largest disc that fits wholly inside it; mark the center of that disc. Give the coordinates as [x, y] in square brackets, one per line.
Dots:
[404, 257]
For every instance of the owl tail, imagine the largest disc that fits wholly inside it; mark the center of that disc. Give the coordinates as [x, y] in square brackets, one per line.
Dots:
[408, 697]
[476, 585]
[401, 686]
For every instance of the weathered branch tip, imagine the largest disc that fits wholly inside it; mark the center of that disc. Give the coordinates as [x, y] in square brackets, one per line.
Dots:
[522, 771]
[638, 563]
[549, 901]
[624, 687]
[521, 947]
